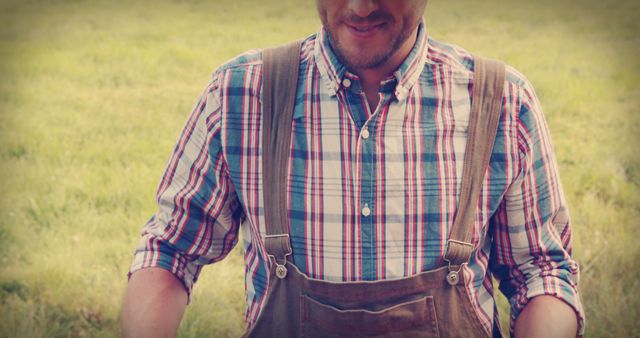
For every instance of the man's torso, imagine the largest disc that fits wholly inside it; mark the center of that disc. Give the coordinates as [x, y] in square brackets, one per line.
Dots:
[372, 194]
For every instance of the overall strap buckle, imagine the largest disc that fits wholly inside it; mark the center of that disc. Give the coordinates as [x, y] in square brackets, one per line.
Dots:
[456, 253]
[278, 248]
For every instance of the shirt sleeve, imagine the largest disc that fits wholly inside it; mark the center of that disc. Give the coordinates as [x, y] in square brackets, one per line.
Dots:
[532, 229]
[198, 213]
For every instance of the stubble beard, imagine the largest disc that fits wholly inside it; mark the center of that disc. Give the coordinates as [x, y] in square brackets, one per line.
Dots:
[360, 60]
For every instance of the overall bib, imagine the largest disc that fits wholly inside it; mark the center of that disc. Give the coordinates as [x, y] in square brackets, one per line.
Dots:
[433, 303]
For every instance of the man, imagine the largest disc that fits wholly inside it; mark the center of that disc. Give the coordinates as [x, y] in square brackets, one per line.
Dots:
[378, 142]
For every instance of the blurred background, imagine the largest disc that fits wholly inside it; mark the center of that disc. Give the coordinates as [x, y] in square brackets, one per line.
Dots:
[93, 95]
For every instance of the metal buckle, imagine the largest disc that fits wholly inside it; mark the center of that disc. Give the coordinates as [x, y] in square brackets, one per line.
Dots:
[453, 277]
[281, 269]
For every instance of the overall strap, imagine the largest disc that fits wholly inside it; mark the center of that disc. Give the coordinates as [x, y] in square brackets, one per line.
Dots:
[488, 83]
[279, 81]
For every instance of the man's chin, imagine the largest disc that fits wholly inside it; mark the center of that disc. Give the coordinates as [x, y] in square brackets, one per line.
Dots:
[357, 56]
[364, 60]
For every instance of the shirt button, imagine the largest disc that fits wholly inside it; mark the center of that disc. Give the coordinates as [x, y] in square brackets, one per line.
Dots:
[346, 83]
[365, 134]
[366, 211]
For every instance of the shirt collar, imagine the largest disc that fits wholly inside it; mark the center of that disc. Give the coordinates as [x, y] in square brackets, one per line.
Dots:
[333, 71]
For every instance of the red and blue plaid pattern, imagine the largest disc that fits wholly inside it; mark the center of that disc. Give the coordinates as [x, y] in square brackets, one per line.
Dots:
[372, 194]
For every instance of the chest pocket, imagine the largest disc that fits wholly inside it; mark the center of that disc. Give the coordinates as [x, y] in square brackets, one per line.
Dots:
[414, 318]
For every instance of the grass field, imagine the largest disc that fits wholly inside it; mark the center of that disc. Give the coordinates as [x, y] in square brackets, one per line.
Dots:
[93, 95]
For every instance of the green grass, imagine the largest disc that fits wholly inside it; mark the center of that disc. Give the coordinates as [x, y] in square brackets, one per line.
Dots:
[94, 93]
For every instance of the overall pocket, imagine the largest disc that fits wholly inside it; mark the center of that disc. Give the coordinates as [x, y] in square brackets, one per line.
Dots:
[415, 318]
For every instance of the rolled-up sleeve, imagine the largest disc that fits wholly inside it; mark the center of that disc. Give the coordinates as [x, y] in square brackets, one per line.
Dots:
[532, 229]
[198, 213]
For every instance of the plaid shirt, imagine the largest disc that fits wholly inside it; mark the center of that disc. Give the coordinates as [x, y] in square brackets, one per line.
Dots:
[372, 194]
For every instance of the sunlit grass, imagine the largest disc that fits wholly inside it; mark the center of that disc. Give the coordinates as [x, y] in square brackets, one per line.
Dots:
[94, 93]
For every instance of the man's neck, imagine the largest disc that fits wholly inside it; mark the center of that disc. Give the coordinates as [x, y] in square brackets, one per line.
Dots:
[370, 78]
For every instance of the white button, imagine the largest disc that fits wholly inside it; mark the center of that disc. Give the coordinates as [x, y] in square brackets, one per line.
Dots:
[365, 134]
[346, 83]
[366, 211]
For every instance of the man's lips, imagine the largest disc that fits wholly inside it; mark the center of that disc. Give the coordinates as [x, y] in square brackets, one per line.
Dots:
[364, 31]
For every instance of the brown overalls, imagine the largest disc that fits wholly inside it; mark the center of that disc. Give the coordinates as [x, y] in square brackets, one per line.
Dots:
[431, 304]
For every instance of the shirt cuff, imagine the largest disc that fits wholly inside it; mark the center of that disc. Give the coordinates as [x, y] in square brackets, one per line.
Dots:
[551, 286]
[153, 253]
